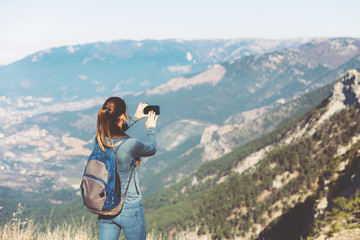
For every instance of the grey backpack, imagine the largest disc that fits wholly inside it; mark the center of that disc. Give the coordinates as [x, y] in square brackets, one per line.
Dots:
[100, 185]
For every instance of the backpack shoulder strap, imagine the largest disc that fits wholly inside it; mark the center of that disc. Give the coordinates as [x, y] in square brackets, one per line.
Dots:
[123, 139]
[132, 170]
[118, 184]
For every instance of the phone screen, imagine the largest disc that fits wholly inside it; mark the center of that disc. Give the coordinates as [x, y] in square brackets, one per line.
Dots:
[154, 108]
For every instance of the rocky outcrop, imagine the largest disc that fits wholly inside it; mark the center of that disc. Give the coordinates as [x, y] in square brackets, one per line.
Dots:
[346, 92]
[217, 141]
[347, 89]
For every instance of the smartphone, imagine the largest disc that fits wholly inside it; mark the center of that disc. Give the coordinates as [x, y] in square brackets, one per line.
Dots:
[154, 108]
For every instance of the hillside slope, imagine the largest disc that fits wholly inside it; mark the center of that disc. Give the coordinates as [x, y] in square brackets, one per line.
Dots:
[233, 110]
[217, 141]
[274, 182]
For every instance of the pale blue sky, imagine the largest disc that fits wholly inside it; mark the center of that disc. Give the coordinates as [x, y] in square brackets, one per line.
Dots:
[27, 26]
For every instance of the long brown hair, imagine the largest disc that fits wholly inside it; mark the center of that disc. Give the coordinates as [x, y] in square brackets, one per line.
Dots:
[108, 120]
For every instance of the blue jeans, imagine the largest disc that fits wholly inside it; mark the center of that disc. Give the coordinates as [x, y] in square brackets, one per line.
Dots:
[131, 220]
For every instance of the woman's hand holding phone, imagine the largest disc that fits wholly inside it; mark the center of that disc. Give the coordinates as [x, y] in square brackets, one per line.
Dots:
[151, 121]
[140, 110]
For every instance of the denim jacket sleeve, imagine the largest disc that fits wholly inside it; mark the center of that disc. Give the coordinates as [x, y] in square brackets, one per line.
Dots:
[146, 149]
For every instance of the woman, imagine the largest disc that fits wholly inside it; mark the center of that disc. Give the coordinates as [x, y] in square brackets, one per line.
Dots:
[112, 122]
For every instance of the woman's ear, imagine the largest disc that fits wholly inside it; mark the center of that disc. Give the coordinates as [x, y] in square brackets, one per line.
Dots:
[122, 120]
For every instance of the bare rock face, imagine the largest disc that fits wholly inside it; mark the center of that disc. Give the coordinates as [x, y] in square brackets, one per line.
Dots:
[346, 92]
[217, 141]
[351, 87]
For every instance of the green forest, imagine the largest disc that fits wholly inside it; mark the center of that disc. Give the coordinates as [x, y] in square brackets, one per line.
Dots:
[233, 208]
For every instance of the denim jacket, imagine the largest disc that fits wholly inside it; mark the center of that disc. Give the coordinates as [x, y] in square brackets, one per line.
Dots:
[128, 151]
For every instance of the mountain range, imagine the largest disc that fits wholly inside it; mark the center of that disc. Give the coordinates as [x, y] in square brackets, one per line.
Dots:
[247, 89]
[203, 115]
[121, 67]
[214, 175]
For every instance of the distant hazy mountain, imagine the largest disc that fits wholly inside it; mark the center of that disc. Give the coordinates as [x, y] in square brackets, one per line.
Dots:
[204, 115]
[120, 67]
[221, 92]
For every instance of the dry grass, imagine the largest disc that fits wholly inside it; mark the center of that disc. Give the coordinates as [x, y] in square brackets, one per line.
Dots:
[28, 231]
[25, 229]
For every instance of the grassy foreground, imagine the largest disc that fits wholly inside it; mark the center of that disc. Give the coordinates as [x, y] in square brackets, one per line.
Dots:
[25, 229]
[18, 228]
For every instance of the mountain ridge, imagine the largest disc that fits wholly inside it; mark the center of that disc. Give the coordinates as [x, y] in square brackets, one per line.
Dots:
[200, 190]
